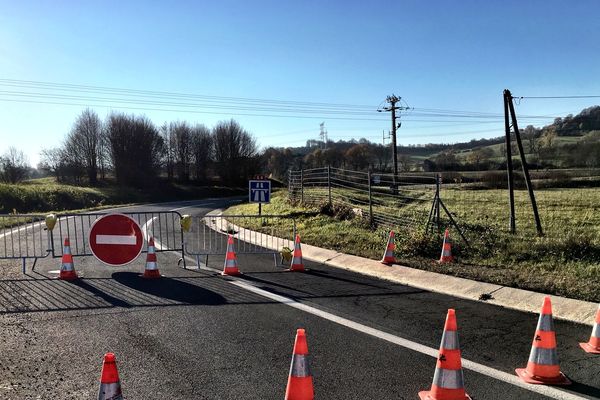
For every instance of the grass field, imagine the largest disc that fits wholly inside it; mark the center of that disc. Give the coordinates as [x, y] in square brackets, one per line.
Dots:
[565, 261]
[43, 195]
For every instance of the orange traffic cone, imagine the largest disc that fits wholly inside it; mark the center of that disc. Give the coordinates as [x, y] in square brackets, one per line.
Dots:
[151, 271]
[542, 367]
[593, 346]
[110, 386]
[230, 267]
[297, 264]
[448, 381]
[446, 249]
[67, 269]
[388, 256]
[300, 382]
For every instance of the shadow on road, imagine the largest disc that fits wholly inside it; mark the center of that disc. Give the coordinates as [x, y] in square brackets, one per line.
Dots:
[172, 289]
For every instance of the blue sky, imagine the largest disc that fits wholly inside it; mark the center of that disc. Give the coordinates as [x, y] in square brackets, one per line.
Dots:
[456, 55]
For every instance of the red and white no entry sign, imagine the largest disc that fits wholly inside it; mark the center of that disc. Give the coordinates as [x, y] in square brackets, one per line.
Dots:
[116, 239]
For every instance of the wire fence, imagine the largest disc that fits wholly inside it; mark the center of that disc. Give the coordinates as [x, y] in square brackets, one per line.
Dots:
[382, 199]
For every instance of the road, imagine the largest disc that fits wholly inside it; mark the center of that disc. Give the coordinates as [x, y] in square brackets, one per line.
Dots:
[197, 335]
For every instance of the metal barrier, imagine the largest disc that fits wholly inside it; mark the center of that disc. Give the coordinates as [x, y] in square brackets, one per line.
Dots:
[254, 234]
[164, 227]
[24, 237]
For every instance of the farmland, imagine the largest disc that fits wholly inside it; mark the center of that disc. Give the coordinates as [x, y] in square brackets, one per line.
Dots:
[565, 261]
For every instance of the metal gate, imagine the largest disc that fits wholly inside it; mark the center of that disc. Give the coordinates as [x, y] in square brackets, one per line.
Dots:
[24, 237]
[254, 234]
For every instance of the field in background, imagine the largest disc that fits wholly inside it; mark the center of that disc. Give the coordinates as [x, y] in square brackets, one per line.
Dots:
[566, 261]
[42, 195]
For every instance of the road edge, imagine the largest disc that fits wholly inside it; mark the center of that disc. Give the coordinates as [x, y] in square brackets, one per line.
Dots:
[564, 308]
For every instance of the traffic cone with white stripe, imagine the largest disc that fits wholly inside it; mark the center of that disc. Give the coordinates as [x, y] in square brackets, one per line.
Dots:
[542, 367]
[388, 256]
[448, 381]
[67, 269]
[110, 385]
[151, 271]
[297, 263]
[300, 382]
[446, 256]
[593, 346]
[231, 267]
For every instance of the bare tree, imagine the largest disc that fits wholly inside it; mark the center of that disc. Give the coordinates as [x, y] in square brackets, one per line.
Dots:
[13, 166]
[169, 149]
[84, 142]
[135, 148]
[235, 152]
[51, 160]
[182, 134]
[201, 147]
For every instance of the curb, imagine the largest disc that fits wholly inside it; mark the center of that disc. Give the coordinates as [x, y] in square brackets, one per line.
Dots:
[564, 308]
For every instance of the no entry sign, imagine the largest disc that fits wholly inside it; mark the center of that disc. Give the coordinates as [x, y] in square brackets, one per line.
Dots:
[116, 239]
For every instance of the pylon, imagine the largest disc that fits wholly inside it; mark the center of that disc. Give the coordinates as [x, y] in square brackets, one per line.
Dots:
[151, 271]
[230, 267]
[448, 381]
[297, 264]
[542, 366]
[388, 255]
[110, 385]
[446, 256]
[300, 382]
[593, 346]
[67, 269]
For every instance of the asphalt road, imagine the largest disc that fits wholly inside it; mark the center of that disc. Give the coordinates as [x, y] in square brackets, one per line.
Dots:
[197, 335]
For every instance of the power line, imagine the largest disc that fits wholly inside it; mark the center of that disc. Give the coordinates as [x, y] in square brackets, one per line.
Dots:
[558, 97]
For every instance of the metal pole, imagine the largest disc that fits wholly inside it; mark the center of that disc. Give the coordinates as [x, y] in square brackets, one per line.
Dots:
[438, 180]
[370, 200]
[509, 164]
[329, 183]
[538, 224]
[302, 186]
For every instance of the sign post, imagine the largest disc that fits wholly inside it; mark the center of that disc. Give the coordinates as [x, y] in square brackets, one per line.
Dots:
[116, 239]
[259, 191]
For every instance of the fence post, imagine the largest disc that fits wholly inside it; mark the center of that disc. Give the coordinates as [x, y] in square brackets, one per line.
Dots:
[302, 186]
[329, 183]
[370, 200]
[438, 181]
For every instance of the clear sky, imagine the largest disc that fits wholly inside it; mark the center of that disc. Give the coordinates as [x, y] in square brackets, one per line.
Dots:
[452, 55]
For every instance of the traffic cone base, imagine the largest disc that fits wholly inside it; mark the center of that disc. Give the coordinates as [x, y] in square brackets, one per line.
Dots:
[151, 274]
[388, 256]
[561, 379]
[588, 348]
[297, 263]
[426, 395]
[67, 275]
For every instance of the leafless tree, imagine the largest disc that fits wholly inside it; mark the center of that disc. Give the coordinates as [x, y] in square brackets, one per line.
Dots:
[13, 166]
[182, 134]
[84, 142]
[235, 152]
[169, 149]
[201, 146]
[135, 148]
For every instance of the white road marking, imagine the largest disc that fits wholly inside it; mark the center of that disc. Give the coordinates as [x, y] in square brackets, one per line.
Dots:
[116, 239]
[430, 351]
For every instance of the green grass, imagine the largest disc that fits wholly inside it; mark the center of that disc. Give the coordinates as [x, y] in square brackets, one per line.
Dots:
[566, 261]
[43, 195]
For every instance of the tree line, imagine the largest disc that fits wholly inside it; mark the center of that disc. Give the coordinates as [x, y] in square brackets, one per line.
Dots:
[133, 150]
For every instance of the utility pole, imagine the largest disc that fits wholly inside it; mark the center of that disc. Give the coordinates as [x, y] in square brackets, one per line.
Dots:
[392, 101]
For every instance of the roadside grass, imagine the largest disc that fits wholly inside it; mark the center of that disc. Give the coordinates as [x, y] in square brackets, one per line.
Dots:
[565, 261]
[44, 195]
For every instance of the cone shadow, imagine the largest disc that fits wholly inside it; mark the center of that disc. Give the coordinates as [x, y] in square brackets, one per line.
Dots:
[171, 289]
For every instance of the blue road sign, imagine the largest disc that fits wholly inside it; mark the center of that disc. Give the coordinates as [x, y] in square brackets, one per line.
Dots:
[259, 191]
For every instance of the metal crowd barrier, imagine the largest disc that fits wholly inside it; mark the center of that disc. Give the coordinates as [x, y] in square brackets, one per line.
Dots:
[253, 234]
[163, 226]
[24, 237]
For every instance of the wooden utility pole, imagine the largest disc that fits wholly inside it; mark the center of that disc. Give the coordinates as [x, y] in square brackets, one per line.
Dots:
[393, 100]
[508, 101]
[509, 165]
